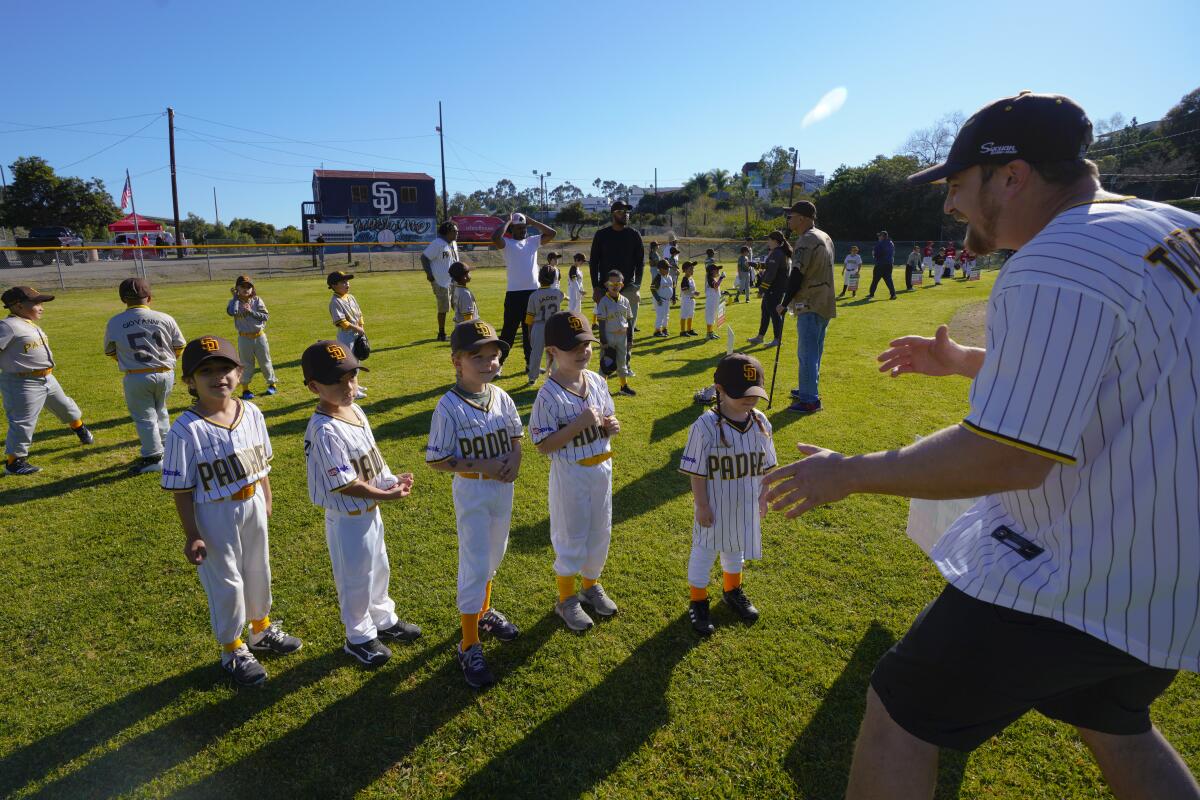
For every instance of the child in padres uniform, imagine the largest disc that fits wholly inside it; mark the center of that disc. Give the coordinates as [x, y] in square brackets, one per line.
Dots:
[713, 278]
[729, 449]
[145, 344]
[544, 303]
[216, 461]
[249, 314]
[615, 316]
[348, 478]
[476, 434]
[26, 384]
[461, 299]
[743, 274]
[347, 316]
[572, 421]
[575, 283]
[687, 305]
[662, 290]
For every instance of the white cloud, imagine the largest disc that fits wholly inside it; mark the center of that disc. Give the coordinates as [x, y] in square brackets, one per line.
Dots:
[827, 106]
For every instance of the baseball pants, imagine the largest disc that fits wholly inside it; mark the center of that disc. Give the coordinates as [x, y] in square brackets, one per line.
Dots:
[620, 343]
[23, 401]
[253, 349]
[236, 573]
[687, 308]
[483, 509]
[712, 303]
[146, 398]
[701, 560]
[635, 303]
[580, 517]
[345, 338]
[537, 346]
[743, 285]
[662, 313]
[360, 573]
[674, 273]
[927, 264]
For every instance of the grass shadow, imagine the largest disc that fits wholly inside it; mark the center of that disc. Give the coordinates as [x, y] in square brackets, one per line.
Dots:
[667, 426]
[819, 761]
[620, 714]
[350, 743]
[62, 486]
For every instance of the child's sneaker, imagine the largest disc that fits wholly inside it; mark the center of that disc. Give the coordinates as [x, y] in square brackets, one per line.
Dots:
[572, 614]
[475, 669]
[598, 599]
[741, 605]
[21, 466]
[713, 336]
[271, 389]
[625, 390]
[247, 395]
[371, 653]
[272, 639]
[700, 618]
[401, 632]
[495, 623]
[85, 436]
[243, 667]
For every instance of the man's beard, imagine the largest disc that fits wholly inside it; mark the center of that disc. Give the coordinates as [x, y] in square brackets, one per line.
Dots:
[981, 233]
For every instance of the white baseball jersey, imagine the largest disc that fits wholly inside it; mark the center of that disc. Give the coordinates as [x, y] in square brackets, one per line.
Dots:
[23, 346]
[345, 307]
[853, 264]
[575, 293]
[463, 303]
[337, 453]
[556, 407]
[463, 429]
[662, 284]
[213, 461]
[544, 303]
[248, 320]
[1093, 360]
[141, 338]
[732, 459]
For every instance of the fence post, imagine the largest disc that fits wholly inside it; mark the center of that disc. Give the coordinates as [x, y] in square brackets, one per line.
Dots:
[208, 258]
[268, 262]
[368, 258]
[58, 263]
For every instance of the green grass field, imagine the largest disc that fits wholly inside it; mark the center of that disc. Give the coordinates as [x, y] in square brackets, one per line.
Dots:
[111, 686]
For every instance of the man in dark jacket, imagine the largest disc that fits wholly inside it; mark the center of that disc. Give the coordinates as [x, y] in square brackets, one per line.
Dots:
[619, 247]
[885, 252]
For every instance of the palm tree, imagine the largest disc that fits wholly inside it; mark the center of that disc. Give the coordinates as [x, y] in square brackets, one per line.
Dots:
[744, 192]
[698, 185]
[719, 178]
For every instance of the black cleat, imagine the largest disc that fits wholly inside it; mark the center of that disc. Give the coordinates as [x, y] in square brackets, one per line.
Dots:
[495, 623]
[243, 667]
[401, 632]
[274, 640]
[741, 605]
[371, 653]
[21, 466]
[701, 621]
[627, 391]
[85, 436]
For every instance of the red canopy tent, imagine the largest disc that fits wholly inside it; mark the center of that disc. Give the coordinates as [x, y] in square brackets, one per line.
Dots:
[135, 222]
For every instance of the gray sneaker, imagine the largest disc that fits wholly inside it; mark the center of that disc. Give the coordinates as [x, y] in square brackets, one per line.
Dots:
[243, 667]
[573, 614]
[598, 599]
[755, 340]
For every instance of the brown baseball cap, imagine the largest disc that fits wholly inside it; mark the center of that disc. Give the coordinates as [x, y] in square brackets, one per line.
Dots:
[134, 289]
[473, 334]
[458, 271]
[23, 294]
[803, 208]
[740, 375]
[566, 330]
[243, 280]
[327, 361]
[337, 276]
[207, 348]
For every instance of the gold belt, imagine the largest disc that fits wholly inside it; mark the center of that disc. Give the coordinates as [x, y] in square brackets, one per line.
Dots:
[254, 335]
[244, 494]
[148, 370]
[592, 461]
[360, 512]
[37, 373]
[475, 476]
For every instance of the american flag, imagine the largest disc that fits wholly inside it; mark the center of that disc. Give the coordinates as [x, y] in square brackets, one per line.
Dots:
[126, 194]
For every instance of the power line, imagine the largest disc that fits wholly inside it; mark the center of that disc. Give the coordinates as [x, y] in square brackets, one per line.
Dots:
[1141, 142]
[114, 144]
[67, 125]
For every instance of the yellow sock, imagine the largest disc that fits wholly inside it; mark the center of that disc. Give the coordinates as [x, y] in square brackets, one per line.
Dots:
[710, 328]
[10, 458]
[234, 645]
[624, 382]
[590, 582]
[731, 580]
[697, 593]
[77, 424]
[683, 326]
[487, 598]
[260, 625]
[566, 586]
[470, 630]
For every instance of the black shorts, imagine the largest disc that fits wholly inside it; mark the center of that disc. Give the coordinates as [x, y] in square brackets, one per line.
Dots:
[967, 669]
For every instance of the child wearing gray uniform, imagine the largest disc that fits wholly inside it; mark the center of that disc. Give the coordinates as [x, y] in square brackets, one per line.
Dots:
[544, 303]
[249, 314]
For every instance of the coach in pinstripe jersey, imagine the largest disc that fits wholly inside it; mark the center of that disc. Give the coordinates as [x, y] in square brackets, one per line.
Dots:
[1074, 582]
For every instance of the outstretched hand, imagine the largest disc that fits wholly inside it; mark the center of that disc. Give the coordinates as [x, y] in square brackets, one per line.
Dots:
[923, 355]
[814, 480]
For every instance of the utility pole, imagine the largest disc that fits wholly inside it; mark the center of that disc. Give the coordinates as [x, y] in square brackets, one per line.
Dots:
[542, 183]
[216, 213]
[442, 148]
[4, 182]
[174, 184]
[795, 164]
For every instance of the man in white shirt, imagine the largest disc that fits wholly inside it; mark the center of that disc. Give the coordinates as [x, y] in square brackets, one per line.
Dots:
[436, 261]
[1075, 579]
[520, 261]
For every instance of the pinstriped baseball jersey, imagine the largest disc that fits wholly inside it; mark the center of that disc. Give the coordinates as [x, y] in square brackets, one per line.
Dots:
[732, 458]
[556, 407]
[544, 303]
[251, 321]
[345, 307]
[23, 346]
[1093, 360]
[214, 461]
[337, 452]
[462, 428]
[142, 338]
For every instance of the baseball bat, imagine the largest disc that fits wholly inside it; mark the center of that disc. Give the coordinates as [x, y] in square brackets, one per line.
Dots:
[775, 369]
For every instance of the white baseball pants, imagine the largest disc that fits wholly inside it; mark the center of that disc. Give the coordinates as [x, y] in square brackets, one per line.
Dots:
[580, 517]
[236, 573]
[360, 572]
[483, 509]
[662, 313]
[701, 560]
[687, 307]
[146, 398]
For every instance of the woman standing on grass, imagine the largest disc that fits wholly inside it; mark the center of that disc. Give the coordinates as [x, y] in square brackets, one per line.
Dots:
[773, 283]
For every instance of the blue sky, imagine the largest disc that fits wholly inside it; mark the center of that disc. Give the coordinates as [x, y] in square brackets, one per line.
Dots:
[582, 91]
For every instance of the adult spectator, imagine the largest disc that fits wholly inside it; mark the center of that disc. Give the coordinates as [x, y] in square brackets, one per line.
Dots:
[885, 254]
[618, 246]
[773, 284]
[520, 262]
[810, 287]
[436, 261]
[1074, 582]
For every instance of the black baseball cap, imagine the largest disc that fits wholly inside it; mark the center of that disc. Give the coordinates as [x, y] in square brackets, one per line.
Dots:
[1032, 127]
[566, 330]
[134, 289]
[243, 280]
[740, 375]
[458, 271]
[547, 275]
[337, 276]
[620, 205]
[473, 334]
[803, 208]
[206, 348]
[24, 294]
[327, 361]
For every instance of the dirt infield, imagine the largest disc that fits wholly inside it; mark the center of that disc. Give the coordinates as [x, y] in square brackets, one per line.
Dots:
[968, 324]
